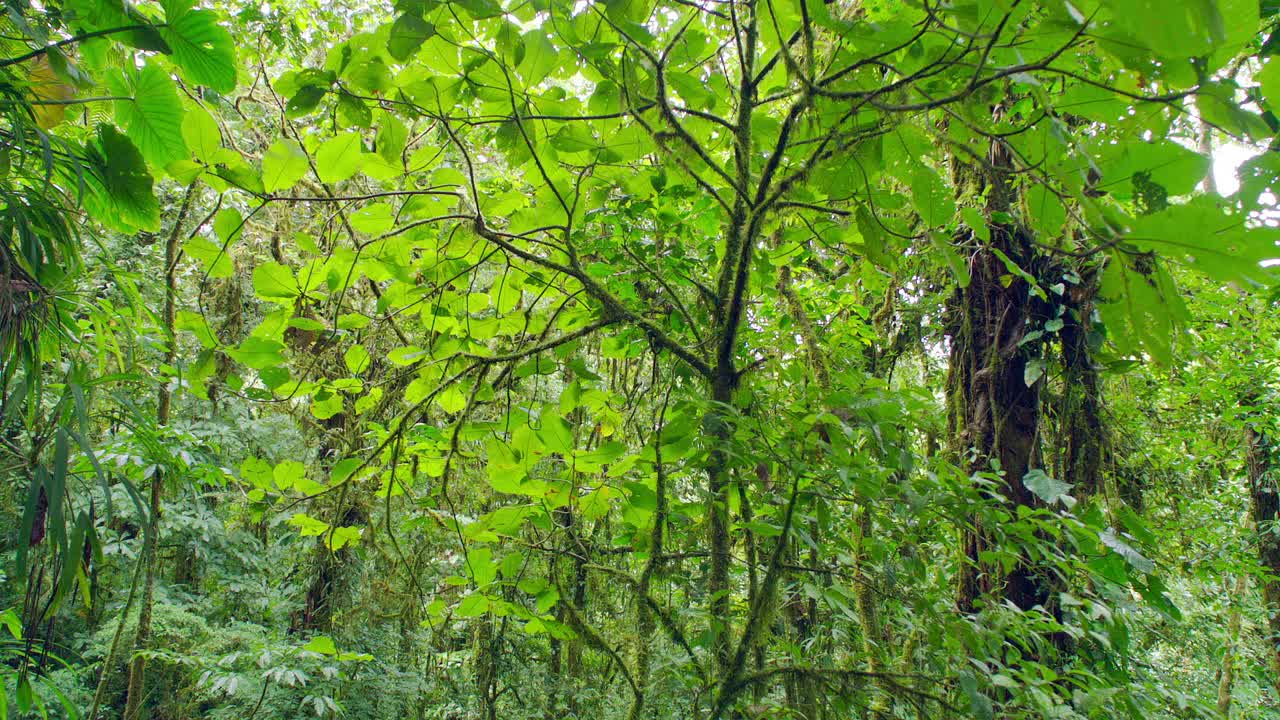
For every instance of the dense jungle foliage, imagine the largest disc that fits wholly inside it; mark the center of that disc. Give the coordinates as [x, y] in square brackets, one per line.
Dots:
[743, 359]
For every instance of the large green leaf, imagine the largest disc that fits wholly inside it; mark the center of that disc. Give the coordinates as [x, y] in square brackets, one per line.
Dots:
[216, 262]
[273, 281]
[1173, 30]
[407, 35]
[201, 133]
[153, 118]
[1221, 245]
[1269, 79]
[283, 165]
[258, 353]
[339, 158]
[202, 48]
[932, 198]
[539, 57]
[121, 196]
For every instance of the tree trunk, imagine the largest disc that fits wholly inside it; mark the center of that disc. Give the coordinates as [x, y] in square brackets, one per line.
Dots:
[1084, 436]
[487, 667]
[151, 541]
[1227, 679]
[644, 614]
[718, 601]
[1265, 505]
[994, 412]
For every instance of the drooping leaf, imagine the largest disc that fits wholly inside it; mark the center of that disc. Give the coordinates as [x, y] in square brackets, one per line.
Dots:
[1126, 551]
[1046, 488]
[122, 197]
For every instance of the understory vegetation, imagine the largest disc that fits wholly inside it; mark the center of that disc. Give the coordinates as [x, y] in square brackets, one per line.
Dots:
[643, 359]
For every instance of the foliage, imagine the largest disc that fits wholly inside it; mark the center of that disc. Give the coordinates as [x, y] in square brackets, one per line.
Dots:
[783, 359]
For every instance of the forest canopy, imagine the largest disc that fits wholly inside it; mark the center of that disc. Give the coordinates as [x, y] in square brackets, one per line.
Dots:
[639, 359]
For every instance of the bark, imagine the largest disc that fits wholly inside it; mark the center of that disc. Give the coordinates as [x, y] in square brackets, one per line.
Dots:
[1227, 679]
[1085, 439]
[801, 690]
[486, 655]
[721, 433]
[565, 663]
[644, 614]
[994, 414]
[319, 603]
[873, 633]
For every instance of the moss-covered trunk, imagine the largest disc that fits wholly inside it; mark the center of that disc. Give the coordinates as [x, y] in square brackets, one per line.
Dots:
[994, 384]
[1265, 506]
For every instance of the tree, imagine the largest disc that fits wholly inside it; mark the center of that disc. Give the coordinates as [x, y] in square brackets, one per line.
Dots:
[599, 342]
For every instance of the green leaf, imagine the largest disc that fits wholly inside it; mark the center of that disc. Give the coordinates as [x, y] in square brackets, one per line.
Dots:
[10, 620]
[258, 353]
[959, 268]
[505, 472]
[1045, 487]
[932, 198]
[481, 9]
[153, 118]
[202, 48]
[391, 138]
[1047, 212]
[309, 527]
[373, 219]
[25, 694]
[227, 225]
[339, 158]
[340, 537]
[506, 294]
[257, 472]
[1032, 371]
[1222, 245]
[693, 90]
[977, 223]
[353, 112]
[121, 198]
[200, 131]
[556, 434]
[283, 165]
[273, 281]
[547, 599]
[305, 100]
[980, 705]
[1126, 551]
[210, 255]
[407, 35]
[480, 563]
[320, 644]
[325, 404]
[287, 473]
[1175, 31]
[452, 399]
[356, 359]
[1269, 79]
[540, 57]
[473, 605]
